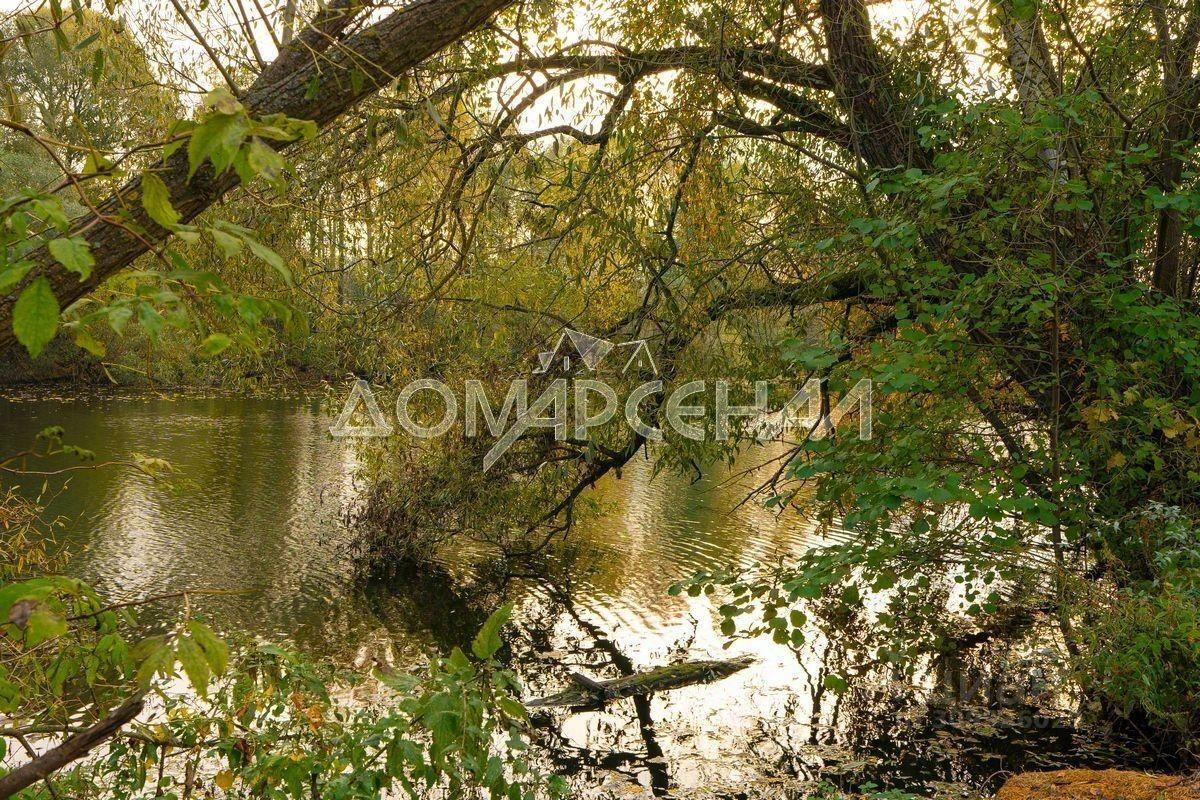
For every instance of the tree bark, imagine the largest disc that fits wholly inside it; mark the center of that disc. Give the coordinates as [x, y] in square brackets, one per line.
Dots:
[862, 82]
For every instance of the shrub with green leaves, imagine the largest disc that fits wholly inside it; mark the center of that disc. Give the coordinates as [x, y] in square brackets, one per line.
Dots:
[1141, 642]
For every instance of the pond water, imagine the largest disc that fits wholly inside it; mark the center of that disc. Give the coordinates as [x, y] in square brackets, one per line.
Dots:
[258, 504]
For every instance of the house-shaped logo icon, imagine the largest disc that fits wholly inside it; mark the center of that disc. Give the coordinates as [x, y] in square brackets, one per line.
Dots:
[591, 350]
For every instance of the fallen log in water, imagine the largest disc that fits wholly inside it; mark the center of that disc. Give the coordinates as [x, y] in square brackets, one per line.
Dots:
[672, 676]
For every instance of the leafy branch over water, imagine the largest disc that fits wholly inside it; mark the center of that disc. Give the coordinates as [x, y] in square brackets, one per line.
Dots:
[102, 712]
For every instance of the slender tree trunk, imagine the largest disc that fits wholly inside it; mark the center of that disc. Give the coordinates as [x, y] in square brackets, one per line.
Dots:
[289, 22]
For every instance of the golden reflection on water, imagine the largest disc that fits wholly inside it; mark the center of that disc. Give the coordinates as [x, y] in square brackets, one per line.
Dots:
[259, 504]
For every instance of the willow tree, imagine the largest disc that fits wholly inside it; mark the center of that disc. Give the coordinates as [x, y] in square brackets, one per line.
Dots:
[991, 217]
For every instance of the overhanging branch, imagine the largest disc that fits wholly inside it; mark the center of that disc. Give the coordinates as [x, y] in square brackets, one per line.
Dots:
[312, 79]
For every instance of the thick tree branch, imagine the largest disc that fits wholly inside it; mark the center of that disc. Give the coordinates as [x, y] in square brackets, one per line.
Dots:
[73, 749]
[849, 286]
[863, 86]
[1029, 62]
[808, 117]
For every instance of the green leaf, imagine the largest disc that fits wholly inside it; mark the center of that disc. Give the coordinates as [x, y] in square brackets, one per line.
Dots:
[35, 316]
[215, 343]
[150, 319]
[487, 641]
[195, 664]
[180, 126]
[156, 199]
[400, 681]
[271, 257]
[228, 244]
[216, 652]
[75, 254]
[35, 590]
[53, 433]
[836, 683]
[218, 140]
[10, 701]
[117, 317]
[51, 210]
[263, 160]
[147, 647]
[96, 163]
[13, 274]
[156, 657]
[512, 708]
[222, 101]
[43, 624]
[85, 340]
[458, 661]
[1024, 9]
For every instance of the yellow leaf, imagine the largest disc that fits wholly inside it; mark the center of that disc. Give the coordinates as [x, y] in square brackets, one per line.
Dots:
[316, 717]
[1116, 460]
[223, 780]
[1097, 413]
[1175, 428]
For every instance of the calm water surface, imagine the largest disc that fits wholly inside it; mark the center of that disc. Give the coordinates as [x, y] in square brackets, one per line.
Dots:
[259, 502]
